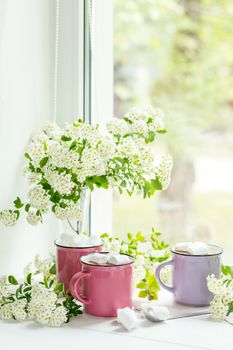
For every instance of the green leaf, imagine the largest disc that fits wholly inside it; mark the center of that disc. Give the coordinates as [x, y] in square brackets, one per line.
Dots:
[150, 137]
[227, 270]
[162, 131]
[73, 145]
[44, 161]
[104, 235]
[17, 213]
[18, 203]
[156, 184]
[141, 285]
[29, 278]
[27, 207]
[66, 138]
[143, 293]
[53, 269]
[90, 185]
[128, 120]
[140, 237]
[12, 280]
[26, 155]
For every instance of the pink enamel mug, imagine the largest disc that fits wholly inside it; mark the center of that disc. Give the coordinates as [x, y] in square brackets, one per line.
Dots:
[68, 261]
[106, 288]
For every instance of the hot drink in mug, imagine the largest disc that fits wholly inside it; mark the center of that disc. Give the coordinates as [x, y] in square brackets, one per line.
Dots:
[190, 270]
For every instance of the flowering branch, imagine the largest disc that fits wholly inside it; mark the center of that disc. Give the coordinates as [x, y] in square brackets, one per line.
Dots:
[62, 163]
[221, 305]
[42, 299]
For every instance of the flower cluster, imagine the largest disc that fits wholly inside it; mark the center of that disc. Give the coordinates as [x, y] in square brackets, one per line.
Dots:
[222, 303]
[148, 251]
[39, 297]
[62, 163]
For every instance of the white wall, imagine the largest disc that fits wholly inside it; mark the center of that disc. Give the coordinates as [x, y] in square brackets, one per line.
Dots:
[26, 102]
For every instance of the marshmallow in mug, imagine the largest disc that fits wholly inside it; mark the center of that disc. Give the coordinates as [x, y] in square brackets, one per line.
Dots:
[98, 259]
[196, 248]
[109, 258]
[77, 241]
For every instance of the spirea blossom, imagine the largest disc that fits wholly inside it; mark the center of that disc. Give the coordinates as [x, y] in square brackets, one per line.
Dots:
[222, 296]
[8, 217]
[64, 162]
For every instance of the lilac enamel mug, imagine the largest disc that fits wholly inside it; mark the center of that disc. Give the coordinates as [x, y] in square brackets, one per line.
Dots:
[189, 284]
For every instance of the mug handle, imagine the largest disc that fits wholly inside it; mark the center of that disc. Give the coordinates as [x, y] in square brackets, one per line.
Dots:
[157, 274]
[76, 279]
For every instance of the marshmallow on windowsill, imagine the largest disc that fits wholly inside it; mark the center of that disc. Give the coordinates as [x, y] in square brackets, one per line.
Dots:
[198, 248]
[118, 259]
[127, 318]
[160, 313]
[98, 258]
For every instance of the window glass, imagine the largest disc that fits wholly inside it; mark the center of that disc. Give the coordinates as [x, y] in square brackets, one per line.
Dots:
[178, 56]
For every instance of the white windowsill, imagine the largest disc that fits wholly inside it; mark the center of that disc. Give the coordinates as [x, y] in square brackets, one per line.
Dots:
[91, 332]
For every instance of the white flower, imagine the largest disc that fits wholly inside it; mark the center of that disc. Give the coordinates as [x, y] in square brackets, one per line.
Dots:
[4, 290]
[127, 147]
[163, 171]
[36, 152]
[139, 260]
[32, 218]
[62, 183]
[8, 217]
[218, 307]
[38, 197]
[6, 312]
[18, 309]
[93, 164]
[71, 211]
[139, 274]
[52, 130]
[106, 147]
[58, 316]
[34, 177]
[117, 126]
[215, 285]
[41, 265]
[144, 247]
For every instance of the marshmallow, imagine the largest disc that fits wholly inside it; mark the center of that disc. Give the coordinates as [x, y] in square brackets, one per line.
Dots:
[183, 246]
[127, 318]
[118, 259]
[98, 258]
[198, 248]
[159, 313]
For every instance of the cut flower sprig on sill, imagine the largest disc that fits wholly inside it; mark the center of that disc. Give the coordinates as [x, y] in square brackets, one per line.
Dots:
[221, 306]
[38, 297]
[62, 162]
[148, 251]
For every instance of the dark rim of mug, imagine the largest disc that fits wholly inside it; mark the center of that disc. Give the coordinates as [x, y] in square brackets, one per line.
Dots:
[200, 255]
[91, 264]
[88, 247]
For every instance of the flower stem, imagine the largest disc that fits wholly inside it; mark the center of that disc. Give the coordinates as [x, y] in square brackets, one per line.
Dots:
[72, 227]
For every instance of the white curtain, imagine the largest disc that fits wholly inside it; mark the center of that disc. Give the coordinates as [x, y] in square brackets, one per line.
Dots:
[27, 32]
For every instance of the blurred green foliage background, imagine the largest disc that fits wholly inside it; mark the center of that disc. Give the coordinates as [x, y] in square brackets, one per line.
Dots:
[178, 55]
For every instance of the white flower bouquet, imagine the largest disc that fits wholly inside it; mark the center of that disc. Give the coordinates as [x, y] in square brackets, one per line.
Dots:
[62, 163]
